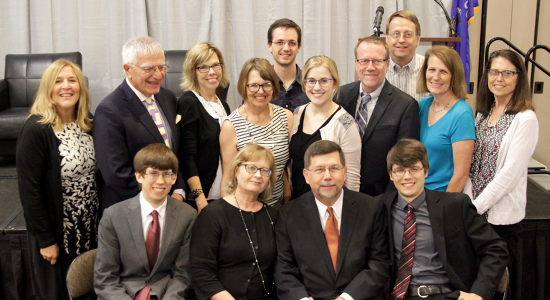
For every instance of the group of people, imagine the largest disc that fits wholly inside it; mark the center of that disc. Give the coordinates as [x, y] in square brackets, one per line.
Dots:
[299, 139]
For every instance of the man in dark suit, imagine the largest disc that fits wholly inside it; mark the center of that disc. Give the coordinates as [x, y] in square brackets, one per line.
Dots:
[137, 113]
[331, 242]
[143, 242]
[440, 246]
[383, 113]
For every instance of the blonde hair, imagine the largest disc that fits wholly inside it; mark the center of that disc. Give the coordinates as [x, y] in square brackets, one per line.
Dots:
[452, 61]
[407, 15]
[373, 40]
[252, 152]
[195, 56]
[322, 61]
[44, 105]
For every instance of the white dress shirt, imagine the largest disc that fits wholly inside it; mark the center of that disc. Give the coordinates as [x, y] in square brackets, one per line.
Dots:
[146, 217]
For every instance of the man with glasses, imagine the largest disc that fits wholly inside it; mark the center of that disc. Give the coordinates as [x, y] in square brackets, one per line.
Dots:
[403, 36]
[331, 242]
[284, 41]
[143, 242]
[383, 113]
[137, 113]
[440, 247]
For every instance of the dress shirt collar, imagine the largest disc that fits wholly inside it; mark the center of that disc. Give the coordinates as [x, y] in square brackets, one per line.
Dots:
[147, 209]
[336, 209]
[374, 94]
[416, 203]
[297, 80]
[408, 67]
[138, 93]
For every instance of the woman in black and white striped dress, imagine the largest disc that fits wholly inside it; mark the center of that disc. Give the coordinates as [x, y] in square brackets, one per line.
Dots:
[258, 121]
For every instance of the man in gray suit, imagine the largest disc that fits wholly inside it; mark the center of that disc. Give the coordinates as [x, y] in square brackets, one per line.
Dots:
[143, 244]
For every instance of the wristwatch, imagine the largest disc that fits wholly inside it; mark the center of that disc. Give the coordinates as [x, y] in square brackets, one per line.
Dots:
[196, 193]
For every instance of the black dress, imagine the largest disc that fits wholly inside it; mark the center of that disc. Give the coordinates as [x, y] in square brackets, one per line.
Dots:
[299, 143]
[221, 255]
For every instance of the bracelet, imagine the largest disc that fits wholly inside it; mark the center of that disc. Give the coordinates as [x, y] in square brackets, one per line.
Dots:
[196, 193]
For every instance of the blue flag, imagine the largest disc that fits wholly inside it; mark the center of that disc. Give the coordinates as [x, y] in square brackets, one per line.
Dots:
[462, 14]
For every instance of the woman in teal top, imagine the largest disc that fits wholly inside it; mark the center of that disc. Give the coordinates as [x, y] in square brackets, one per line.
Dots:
[447, 126]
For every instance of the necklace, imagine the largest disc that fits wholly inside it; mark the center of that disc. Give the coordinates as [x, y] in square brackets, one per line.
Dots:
[218, 110]
[492, 117]
[252, 245]
[248, 127]
[444, 108]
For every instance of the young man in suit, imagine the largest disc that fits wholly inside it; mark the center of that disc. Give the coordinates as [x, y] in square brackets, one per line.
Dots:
[143, 242]
[441, 248]
[137, 113]
[331, 242]
[383, 113]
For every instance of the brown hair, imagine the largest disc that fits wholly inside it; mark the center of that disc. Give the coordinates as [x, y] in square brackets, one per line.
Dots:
[157, 156]
[407, 15]
[373, 40]
[266, 71]
[322, 61]
[252, 152]
[195, 56]
[521, 98]
[452, 61]
[285, 23]
[406, 153]
[323, 147]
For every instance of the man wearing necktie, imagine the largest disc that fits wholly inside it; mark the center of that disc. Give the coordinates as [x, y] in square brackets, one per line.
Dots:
[383, 113]
[137, 113]
[143, 242]
[441, 248]
[331, 242]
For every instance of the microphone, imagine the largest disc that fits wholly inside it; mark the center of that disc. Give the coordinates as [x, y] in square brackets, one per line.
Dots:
[378, 21]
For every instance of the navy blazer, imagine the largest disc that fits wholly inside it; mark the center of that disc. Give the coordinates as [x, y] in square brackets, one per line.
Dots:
[395, 116]
[122, 126]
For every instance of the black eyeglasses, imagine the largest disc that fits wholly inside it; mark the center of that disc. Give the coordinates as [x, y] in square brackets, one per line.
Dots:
[375, 62]
[324, 82]
[153, 69]
[506, 74]
[205, 68]
[165, 175]
[400, 171]
[254, 87]
[252, 169]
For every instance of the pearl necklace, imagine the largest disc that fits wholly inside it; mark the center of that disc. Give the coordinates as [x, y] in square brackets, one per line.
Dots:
[252, 245]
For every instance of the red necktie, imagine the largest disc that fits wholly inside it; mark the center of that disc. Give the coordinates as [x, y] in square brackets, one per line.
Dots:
[331, 235]
[407, 256]
[152, 247]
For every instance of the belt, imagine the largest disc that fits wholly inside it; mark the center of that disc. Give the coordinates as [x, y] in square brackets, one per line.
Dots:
[424, 291]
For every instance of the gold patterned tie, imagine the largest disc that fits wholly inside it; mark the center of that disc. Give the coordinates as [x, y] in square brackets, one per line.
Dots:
[157, 118]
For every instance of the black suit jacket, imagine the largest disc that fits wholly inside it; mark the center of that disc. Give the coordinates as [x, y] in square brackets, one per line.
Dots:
[304, 267]
[122, 126]
[473, 254]
[395, 116]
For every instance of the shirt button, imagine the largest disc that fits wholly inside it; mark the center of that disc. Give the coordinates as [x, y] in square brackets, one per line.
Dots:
[256, 247]
[253, 264]
[248, 280]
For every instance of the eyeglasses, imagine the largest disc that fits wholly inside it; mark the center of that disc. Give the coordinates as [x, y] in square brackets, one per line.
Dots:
[322, 170]
[282, 43]
[165, 175]
[254, 87]
[407, 35]
[205, 68]
[506, 74]
[252, 169]
[375, 62]
[400, 171]
[151, 69]
[324, 82]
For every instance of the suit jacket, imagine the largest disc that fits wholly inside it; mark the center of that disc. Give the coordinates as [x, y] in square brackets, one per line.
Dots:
[121, 266]
[304, 267]
[473, 254]
[395, 116]
[122, 126]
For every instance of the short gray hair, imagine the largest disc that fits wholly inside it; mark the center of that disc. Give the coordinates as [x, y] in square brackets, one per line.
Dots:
[139, 45]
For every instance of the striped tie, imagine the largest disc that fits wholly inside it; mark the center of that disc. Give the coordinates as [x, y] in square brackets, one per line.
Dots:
[362, 115]
[407, 256]
[157, 118]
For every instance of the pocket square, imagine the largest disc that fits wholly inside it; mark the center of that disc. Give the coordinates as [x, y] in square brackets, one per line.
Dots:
[178, 118]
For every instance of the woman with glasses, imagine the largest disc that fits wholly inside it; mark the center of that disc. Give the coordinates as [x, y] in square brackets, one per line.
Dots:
[202, 114]
[322, 119]
[232, 248]
[56, 172]
[506, 136]
[446, 120]
[258, 121]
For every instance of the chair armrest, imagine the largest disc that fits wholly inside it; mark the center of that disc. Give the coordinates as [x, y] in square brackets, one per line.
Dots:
[4, 95]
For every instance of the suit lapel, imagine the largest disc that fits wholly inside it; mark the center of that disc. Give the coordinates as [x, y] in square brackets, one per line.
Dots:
[351, 106]
[436, 212]
[349, 217]
[388, 200]
[381, 105]
[136, 107]
[136, 227]
[170, 223]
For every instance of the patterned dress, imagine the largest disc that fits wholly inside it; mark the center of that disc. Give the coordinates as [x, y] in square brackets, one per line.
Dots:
[80, 202]
[273, 136]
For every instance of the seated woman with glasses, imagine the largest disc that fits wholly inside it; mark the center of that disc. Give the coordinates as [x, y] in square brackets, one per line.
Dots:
[232, 248]
[202, 114]
[322, 119]
[258, 121]
[446, 120]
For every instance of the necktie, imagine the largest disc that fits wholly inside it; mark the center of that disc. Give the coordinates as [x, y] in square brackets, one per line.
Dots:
[157, 118]
[407, 256]
[362, 116]
[152, 247]
[331, 235]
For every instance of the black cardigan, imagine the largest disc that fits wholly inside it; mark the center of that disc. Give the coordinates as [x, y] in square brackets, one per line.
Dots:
[199, 150]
